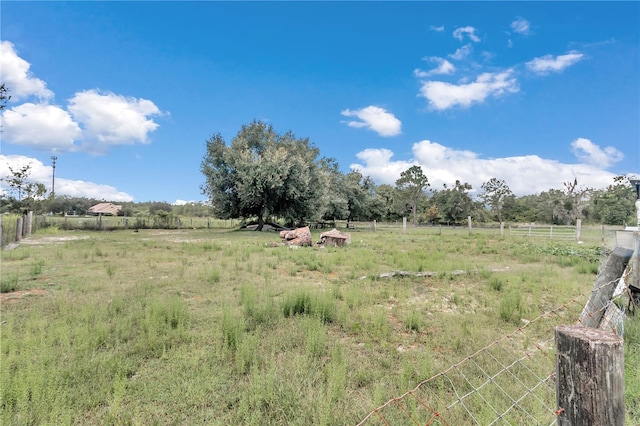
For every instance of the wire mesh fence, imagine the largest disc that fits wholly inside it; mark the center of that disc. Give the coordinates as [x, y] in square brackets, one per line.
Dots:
[511, 381]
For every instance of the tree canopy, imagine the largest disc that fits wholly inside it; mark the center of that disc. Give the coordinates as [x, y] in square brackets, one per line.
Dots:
[411, 189]
[262, 174]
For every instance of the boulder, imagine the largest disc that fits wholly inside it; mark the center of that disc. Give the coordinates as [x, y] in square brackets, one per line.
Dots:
[297, 237]
[335, 238]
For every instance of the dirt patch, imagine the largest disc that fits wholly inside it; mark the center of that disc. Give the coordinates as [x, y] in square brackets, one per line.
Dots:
[45, 241]
[16, 296]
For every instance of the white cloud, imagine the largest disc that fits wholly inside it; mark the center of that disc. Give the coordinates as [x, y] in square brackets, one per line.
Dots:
[444, 67]
[521, 26]
[113, 119]
[590, 153]
[461, 53]
[470, 32]
[442, 95]
[14, 72]
[41, 173]
[40, 126]
[375, 118]
[92, 122]
[525, 175]
[548, 63]
[437, 29]
[79, 188]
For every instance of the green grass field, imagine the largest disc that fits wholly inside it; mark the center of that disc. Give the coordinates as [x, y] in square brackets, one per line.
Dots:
[220, 327]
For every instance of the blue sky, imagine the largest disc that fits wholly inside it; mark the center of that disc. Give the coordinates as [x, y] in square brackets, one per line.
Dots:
[126, 94]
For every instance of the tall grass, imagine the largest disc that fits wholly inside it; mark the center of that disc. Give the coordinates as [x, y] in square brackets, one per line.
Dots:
[218, 327]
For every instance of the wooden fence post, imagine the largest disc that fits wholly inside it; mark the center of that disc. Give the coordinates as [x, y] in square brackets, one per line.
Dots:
[19, 229]
[469, 222]
[604, 287]
[578, 229]
[589, 377]
[404, 224]
[29, 224]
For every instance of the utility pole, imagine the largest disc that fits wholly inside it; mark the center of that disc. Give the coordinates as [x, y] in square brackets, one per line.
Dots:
[53, 181]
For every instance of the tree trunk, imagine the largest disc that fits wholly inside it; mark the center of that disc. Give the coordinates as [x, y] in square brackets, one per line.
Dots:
[415, 219]
[260, 222]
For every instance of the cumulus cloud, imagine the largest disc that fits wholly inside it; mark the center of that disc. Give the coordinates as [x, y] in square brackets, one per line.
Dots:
[442, 95]
[470, 32]
[590, 153]
[40, 126]
[529, 174]
[375, 118]
[41, 173]
[437, 29]
[461, 53]
[444, 67]
[521, 26]
[93, 121]
[14, 72]
[113, 119]
[548, 63]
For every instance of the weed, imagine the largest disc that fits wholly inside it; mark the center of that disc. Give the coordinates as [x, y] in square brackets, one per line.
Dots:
[315, 341]
[412, 321]
[233, 329]
[496, 283]
[214, 276]
[511, 307]
[111, 270]
[36, 268]
[8, 283]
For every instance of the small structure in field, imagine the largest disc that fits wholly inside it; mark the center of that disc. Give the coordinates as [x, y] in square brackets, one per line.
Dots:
[105, 209]
[297, 237]
[335, 238]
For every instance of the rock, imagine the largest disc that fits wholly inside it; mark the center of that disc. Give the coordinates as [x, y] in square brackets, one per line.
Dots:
[335, 238]
[297, 237]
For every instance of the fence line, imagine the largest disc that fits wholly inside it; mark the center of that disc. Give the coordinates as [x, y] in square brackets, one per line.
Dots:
[510, 381]
[9, 224]
[551, 232]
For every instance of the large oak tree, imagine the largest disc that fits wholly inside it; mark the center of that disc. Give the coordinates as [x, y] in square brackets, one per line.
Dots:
[262, 174]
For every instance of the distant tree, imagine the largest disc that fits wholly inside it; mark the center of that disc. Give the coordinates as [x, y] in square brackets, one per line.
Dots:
[334, 203]
[575, 200]
[454, 204]
[192, 209]
[262, 174]
[616, 204]
[4, 96]
[385, 200]
[66, 204]
[495, 191]
[356, 190]
[160, 206]
[23, 194]
[411, 188]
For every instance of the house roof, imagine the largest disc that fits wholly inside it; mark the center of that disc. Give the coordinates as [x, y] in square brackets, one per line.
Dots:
[105, 208]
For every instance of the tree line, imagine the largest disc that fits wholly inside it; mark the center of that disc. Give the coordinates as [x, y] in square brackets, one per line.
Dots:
[269, 176]
[266, 176]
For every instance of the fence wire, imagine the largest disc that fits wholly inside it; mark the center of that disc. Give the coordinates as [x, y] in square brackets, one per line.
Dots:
[509, 382]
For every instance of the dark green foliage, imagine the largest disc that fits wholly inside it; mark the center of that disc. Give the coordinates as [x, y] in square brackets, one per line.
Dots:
[262, 174]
